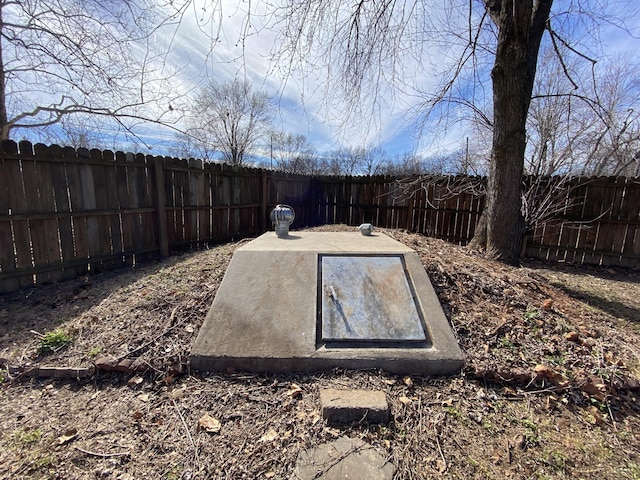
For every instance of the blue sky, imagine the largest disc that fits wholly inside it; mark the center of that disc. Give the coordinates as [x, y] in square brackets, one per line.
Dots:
[214, 41]
[307, 107]
[306, 104]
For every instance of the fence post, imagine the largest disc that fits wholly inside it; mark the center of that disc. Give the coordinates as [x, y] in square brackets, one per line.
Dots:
[263, 202]
[410, 208]
[163, 240]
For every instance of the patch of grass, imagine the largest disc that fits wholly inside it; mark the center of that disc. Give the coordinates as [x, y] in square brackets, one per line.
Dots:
[506, 343]
[94, 352]
[26, 437]
[175, 473]
[631, 470]
[562, 326]
[32, 453]
[532, 434]
[53, 341]
[489, 426]
[42, 462]
[558, 461]
[531, 314]
[531, 425]
[454, 412]
[556, 360]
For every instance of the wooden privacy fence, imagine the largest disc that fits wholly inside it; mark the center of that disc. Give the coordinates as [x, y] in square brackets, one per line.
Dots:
[600, 224]
[67, 212]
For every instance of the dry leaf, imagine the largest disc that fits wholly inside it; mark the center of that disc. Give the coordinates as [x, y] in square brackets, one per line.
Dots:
[270, 436]
[69, 435]
[610, 357]
[189, 328]
[595, 416]
[572, 337]
[209, 424]
[407, 381]
[133, 381]
[509, 391]
[405, 400]
[178, 393]
[144, 397]
[389, 381]
[448, 402]
[547, 305]
[137, 414]
[544, 371]
[270, 474]
[334, 432]
[294, 390]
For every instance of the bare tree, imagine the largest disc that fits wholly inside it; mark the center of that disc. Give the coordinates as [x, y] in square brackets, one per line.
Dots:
[230, 118]
[614, 146]
[344, 161]
[590, 130]
[194, 144]
[366, 43]
[68, 57]
[293, 153]
[373, 158]
[368, 160]
[81, 132]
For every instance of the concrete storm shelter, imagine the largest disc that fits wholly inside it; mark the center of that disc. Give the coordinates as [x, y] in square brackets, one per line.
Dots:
[314, 300]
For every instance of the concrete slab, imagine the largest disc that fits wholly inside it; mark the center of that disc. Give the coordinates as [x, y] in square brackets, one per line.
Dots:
[344, 458]
[267, 314]
[351, 406]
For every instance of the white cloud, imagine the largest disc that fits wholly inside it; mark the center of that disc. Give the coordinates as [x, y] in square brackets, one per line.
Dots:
[227, 38]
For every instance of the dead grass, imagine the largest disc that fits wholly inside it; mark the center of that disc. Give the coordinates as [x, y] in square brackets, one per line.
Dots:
[549, 391]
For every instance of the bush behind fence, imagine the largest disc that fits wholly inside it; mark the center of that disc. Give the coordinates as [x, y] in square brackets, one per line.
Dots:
[67, 212]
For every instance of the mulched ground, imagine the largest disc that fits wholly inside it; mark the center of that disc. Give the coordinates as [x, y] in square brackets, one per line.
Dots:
[550, 389]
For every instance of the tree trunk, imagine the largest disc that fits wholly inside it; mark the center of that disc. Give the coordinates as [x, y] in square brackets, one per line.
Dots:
[520, 27]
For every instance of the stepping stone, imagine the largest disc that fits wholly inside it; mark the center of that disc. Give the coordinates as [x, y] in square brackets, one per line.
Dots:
[350, 406]
[344, 458]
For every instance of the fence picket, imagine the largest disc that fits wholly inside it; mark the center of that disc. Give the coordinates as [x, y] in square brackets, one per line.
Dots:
[9, 205]
[65, 212]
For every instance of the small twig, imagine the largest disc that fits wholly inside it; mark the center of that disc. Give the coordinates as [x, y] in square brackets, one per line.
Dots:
[601, 361]
[187, 429]
[102, 455]
[320, 473]
[156, 338]
[444, 462]
[544, 390]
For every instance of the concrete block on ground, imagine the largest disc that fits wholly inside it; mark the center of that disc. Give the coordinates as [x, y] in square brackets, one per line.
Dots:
[351, 406]
[340, 459]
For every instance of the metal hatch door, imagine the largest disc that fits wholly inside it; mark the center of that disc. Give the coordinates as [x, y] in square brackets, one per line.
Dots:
[367, 299]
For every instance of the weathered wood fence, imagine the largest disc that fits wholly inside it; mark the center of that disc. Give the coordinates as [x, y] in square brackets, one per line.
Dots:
[67, 212]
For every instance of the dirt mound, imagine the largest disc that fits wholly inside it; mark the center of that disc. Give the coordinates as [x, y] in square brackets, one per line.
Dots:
[549, 390]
